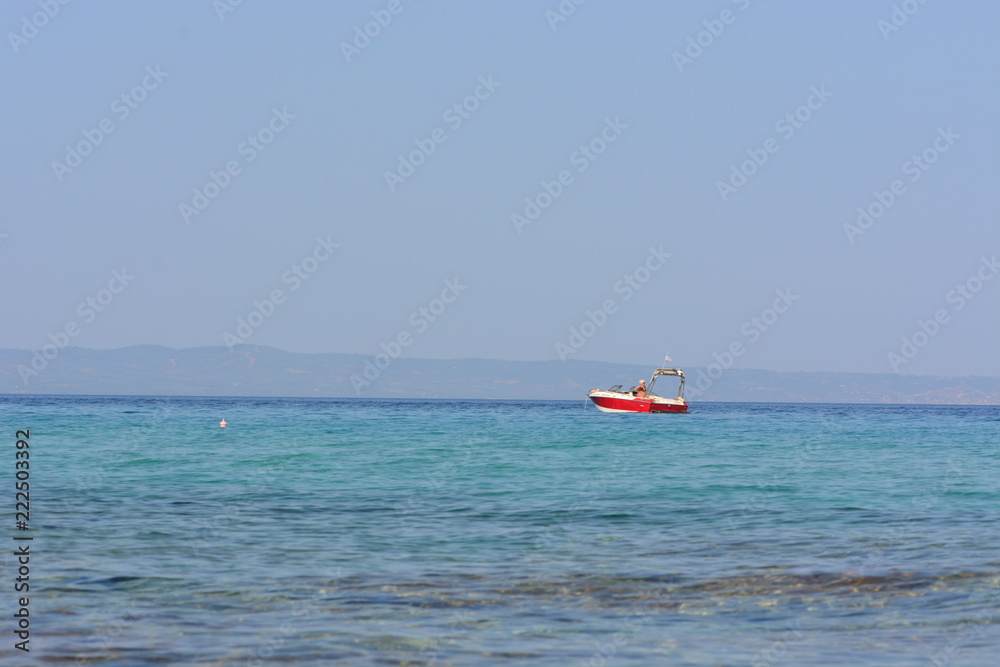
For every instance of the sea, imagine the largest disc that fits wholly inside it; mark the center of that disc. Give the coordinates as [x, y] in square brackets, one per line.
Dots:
[436, 532]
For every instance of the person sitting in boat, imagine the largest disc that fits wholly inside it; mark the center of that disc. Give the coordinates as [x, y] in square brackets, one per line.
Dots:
[640, 389]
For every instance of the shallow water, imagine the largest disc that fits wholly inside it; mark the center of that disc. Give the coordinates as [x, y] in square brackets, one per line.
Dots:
[358, 532]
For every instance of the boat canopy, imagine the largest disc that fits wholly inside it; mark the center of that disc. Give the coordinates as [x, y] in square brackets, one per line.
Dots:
[676, 372]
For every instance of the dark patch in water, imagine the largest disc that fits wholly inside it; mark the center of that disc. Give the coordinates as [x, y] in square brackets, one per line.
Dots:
[117, 580]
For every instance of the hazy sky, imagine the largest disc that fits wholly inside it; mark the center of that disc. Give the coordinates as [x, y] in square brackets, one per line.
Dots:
[694, 166]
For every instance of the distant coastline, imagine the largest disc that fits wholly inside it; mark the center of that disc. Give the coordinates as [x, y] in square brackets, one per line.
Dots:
[252, 370]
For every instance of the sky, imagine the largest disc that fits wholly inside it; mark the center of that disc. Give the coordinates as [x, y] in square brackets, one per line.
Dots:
[792, 186]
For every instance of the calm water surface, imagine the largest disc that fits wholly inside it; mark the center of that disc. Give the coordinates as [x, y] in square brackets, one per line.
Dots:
[350, 532]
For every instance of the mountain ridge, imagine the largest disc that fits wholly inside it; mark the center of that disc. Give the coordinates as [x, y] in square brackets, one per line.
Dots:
[259, 370]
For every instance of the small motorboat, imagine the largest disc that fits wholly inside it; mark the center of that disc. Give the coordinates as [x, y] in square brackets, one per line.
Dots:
[641, 399]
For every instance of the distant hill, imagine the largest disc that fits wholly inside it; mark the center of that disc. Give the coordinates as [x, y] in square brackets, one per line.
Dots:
[250, 370]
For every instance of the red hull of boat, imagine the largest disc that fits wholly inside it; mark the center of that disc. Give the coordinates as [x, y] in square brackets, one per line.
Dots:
[635, 405]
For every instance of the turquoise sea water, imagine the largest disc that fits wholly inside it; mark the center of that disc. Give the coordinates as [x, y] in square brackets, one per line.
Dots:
[350, 532]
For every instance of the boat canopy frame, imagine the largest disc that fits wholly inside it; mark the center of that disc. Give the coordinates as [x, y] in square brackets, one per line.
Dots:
[675, 372]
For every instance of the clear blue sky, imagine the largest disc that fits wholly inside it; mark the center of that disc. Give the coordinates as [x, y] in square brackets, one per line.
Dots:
[673, 130]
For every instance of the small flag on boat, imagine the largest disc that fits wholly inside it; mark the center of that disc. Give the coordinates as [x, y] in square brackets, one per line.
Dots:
[667, 358]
